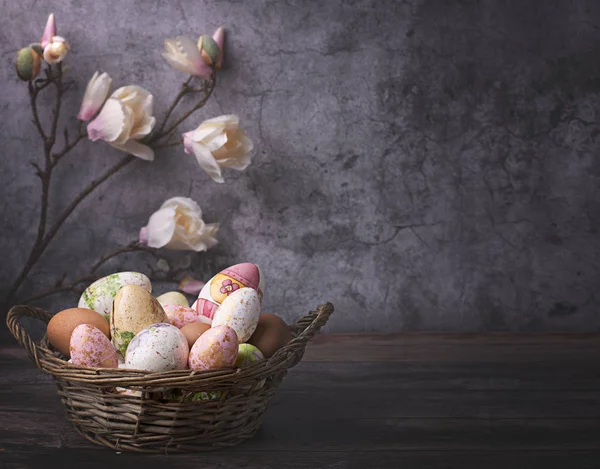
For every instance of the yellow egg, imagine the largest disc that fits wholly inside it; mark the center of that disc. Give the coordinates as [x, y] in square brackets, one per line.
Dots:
[173, 298]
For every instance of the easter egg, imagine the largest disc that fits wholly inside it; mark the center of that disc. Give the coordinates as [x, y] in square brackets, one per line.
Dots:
[100, 294]
[225, 283]
[180, 315]
[248, 354]
[194, 330]
[173, 298]
[240, 311]
[216, 348]
[133, 310]
[159, 347]
[89, 346]
[62, 325]
[270, 335]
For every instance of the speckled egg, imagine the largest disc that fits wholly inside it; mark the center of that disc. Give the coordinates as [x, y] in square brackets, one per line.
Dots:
[133, 310]
[173, 298]
[240, 311]
[216, 348]
[180, 315]
[225, 283]
[159, 347]
[90, 347]
[100, 294]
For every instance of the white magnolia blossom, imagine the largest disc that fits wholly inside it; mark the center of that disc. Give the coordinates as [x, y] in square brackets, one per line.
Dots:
[217, 143]
[125, 118]
[183, 54]
[56, 50]
[178, 225]
[95, 94]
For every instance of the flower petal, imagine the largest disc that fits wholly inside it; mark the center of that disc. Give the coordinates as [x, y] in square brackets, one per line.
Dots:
[161, 227]
[49, 31]
[207, 162]
[95, 94]
[136, 149]
[190, 285]
[219, 37]
[109, 124]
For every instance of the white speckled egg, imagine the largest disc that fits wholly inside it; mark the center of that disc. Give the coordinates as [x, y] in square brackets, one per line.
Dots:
[159, 347]
[173, 298]
[216, 348]
[240, 311]
[90, 347]
[100, 294]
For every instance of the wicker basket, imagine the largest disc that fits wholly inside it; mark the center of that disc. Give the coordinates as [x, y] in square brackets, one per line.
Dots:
[164, 418]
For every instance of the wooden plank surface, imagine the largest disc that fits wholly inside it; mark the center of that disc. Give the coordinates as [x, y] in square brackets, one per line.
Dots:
[356, 401]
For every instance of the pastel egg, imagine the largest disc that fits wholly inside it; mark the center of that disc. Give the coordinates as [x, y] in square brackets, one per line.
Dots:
[180, 315]
[90, 347]
[62, 325]
[159, 347]
[226, 282]
[133, 310]
[248, 354]
[270, 335]
[100, 294]
[193, 331]
[173, 298]
[216, 348]
[240, 311]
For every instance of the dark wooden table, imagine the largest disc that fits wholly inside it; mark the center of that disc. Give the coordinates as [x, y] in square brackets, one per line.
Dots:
[362, 401]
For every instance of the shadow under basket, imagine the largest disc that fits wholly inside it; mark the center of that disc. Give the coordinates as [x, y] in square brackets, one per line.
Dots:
[173, 411]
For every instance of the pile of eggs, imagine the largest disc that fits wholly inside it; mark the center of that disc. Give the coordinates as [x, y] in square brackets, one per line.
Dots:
[119, 324]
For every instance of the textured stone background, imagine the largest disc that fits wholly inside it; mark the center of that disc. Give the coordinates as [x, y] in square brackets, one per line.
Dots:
[424, 165]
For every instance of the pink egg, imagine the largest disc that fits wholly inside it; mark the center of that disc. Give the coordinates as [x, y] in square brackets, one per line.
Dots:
[206, 309]
[216, 348]
[90, 347]
[180, 315]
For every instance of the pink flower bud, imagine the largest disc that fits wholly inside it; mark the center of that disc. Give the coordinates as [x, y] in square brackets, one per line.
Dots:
[49, 31]
[219, 37]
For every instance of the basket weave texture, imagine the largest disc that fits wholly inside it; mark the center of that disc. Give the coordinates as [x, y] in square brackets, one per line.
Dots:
[173, 411]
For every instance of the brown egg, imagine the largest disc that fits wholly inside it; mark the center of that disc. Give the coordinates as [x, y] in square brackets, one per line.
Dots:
[194, 330]
[62, 324]
[270, 335]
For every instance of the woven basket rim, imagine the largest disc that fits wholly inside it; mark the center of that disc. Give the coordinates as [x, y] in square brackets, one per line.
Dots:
[50, 362]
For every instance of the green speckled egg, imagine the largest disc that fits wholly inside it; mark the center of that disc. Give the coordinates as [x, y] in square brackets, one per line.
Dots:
[99, 295]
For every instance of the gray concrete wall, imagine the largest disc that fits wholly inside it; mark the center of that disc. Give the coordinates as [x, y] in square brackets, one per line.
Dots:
[424, 165]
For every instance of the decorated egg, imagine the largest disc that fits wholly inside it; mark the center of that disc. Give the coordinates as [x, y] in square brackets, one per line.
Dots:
[89, 346]
[62, 325]
[159, 347]
[240, 311]
[270, 335]
[225, 283]
[180, 316]
[194, 330]
[216, 348]
[133, 310]
[173, 298]
[100, 294]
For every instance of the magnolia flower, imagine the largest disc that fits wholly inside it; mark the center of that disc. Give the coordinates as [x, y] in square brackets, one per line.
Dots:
[178, 225]
[125, 118]
[183, 55]
[56, 50]
[219, 142]
[95, 95]
[49, 31]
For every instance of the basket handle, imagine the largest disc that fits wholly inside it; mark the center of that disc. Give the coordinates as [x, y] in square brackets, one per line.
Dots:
[323, 312]
[14, 326]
